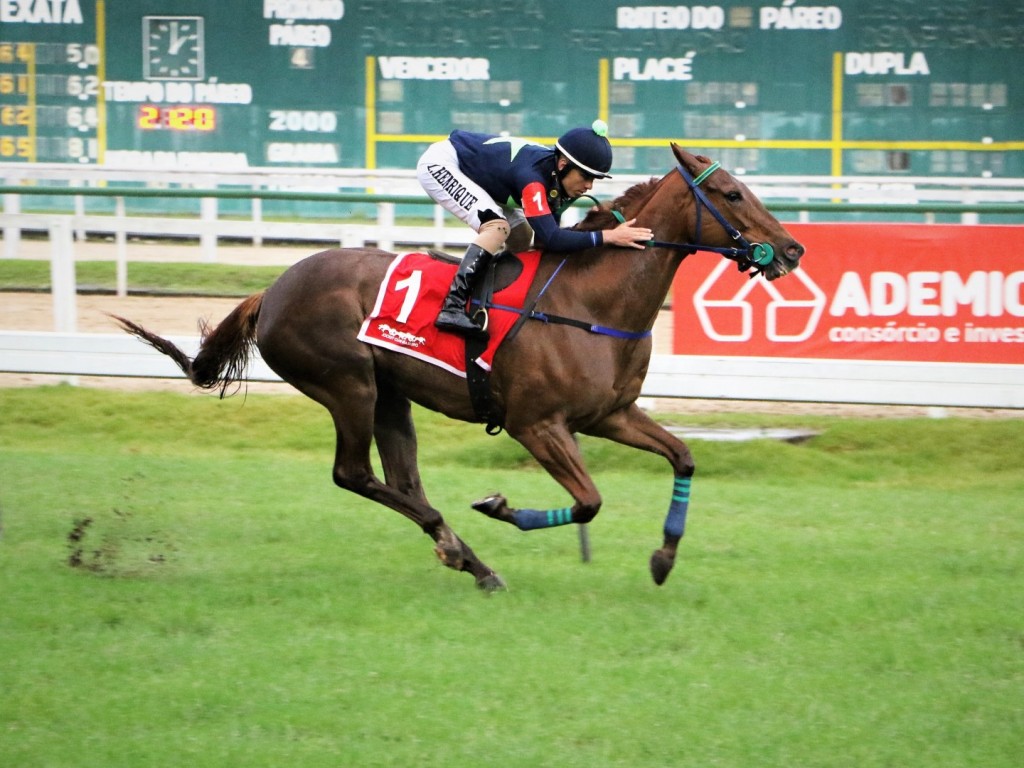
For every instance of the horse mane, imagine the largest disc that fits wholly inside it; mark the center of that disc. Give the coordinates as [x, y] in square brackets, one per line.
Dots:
[603, 218]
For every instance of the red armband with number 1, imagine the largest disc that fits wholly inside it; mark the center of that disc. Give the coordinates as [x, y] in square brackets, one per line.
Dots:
[535, 200]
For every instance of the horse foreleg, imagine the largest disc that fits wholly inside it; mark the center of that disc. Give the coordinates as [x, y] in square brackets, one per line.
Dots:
[555, 447]
[395, 435]
[631, 426]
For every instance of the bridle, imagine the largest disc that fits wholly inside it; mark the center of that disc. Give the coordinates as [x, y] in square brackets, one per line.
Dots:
[757, 255]
[747, 255]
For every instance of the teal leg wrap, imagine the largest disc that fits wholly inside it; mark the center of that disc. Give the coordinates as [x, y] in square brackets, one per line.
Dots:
[530, 519]
[675, 521]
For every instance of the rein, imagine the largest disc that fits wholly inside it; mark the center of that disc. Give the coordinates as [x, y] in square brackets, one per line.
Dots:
[748, 254]
[544, 317]
[529, 313]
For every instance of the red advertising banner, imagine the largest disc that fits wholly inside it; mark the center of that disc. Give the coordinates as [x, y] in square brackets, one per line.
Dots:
[910, 292]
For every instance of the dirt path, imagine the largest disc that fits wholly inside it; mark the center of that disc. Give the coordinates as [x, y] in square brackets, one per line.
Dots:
[166, 316]
[34, 312]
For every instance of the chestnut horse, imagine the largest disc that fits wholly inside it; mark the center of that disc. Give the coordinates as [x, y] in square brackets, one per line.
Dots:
[548, 383]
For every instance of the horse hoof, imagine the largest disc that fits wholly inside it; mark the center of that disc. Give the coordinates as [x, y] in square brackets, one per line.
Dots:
[492, 582]
[492, 506]
[661, 565]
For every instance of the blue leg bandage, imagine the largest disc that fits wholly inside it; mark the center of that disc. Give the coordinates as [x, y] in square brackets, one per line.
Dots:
[529, 519]
[675, 521]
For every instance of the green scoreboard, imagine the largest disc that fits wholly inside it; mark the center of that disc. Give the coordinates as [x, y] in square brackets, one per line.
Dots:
[872, 87]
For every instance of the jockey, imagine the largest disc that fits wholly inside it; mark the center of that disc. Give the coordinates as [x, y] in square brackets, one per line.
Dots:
[509, 189]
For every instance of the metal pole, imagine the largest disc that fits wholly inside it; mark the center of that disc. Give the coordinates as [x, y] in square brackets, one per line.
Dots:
[584, 542]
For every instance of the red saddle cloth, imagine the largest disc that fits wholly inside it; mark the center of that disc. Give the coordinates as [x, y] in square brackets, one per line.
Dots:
[410, 297]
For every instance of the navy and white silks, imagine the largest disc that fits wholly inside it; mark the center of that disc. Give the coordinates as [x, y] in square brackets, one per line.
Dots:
[469, 173]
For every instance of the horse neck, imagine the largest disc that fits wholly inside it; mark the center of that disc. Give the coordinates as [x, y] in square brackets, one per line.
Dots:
[670, 211]
[630, 286]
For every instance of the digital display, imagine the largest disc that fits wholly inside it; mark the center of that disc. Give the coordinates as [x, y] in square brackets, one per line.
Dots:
[152, 117]
[872, 88]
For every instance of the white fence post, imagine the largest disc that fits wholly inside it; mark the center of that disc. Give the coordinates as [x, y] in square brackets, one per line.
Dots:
[257, 221]
[208, 235]
[62, 276]
[79, 203]
[121, 239]
[439, 228]
[385, 225]
[12, 233]
[62, 281]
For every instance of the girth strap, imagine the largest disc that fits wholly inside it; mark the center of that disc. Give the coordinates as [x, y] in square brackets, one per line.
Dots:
[479, 382]
[478, 379]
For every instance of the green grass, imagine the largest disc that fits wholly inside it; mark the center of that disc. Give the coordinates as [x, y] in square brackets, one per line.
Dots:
[144, 277]
[850, 601]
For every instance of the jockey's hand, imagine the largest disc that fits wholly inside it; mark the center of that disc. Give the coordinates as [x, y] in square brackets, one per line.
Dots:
[628, 236]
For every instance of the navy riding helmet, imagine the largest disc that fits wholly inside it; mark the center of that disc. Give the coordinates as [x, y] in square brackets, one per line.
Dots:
[588, 149]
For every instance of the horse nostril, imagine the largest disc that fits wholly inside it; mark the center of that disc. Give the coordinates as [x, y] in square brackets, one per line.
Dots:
[794, 251]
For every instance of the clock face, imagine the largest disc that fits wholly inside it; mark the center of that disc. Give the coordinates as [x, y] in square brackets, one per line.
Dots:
[173, 48]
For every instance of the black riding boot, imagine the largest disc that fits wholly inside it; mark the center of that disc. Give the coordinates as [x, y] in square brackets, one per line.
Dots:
[453, 316]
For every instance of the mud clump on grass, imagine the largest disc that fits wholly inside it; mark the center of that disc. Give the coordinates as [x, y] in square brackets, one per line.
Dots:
[75, 542]
[116, 545]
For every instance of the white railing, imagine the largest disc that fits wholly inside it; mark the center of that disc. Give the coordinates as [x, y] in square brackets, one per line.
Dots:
[385, 188]
[211, 225]
[670, 376]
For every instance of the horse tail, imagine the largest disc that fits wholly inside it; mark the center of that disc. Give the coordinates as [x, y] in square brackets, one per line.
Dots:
[224, 351]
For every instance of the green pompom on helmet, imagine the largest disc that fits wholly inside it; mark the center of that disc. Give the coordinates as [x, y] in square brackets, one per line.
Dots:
[588, 149]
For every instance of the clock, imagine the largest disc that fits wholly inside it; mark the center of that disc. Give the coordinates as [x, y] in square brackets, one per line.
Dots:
[173, 48]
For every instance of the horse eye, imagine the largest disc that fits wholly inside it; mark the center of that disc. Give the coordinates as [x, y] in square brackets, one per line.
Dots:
[733, 197]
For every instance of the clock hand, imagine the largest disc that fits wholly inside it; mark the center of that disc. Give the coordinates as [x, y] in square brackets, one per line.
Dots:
[176, 41]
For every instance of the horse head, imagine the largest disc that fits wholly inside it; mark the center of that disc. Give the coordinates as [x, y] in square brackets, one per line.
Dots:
[739, 226]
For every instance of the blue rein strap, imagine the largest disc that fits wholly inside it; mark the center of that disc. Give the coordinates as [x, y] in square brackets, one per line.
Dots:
[531, 314]
[543, 317]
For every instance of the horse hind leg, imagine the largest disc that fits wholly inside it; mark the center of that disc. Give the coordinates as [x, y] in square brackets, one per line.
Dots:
[395, 436]
[555, 447]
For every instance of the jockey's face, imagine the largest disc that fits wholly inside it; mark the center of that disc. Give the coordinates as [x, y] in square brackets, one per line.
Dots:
[575, 182]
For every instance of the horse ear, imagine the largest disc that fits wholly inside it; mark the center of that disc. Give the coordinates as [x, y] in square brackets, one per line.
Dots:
[685, 158]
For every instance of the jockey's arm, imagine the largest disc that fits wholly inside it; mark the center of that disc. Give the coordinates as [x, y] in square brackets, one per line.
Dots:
[554, 237]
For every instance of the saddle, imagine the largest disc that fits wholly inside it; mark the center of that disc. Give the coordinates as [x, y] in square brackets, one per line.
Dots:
[504, 269]
[410, 297]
